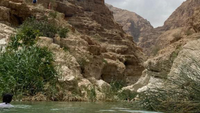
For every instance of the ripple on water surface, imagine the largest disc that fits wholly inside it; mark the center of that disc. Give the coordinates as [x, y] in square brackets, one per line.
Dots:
[70, 107]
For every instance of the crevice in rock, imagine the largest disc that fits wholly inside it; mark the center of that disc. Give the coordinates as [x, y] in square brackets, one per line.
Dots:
[16, 20]
[156, 71]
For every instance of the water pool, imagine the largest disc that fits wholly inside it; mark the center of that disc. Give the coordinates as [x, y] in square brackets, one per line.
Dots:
[71, 107]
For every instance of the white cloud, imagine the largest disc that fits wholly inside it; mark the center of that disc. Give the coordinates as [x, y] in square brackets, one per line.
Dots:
[155, 11]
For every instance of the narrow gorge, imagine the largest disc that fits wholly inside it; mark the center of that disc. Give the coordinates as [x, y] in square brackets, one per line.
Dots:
[87, 50]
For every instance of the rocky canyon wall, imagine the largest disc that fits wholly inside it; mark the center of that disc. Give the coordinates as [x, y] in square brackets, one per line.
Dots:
[177, 54]
[98, 50]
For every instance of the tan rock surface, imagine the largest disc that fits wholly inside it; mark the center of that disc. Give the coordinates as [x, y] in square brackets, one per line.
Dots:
[108, 37]
[5, 33]
[178, 56]
[96, 47]
[152, 40]
[187, 61]
[180, 17]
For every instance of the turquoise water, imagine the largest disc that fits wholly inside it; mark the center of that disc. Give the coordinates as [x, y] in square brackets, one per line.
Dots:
[71, 107]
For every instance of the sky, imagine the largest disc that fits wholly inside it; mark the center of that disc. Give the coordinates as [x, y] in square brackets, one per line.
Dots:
[155, 11]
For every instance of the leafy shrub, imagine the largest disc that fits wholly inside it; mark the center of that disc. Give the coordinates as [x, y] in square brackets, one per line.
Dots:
[25, 36]
[31, 29]
[44, 27]
[26, 70]
[63, 32]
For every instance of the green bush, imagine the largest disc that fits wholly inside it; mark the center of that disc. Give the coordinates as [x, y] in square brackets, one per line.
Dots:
[31, 29]
[44, 27]
[25, 36]
[63, 32]
[26, 70]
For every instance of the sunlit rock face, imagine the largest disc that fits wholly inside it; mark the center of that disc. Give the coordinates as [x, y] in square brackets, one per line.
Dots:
[5, 33]
[96, 51]
[123, 58]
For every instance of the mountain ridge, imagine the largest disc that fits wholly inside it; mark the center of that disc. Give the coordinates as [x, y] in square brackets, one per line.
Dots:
[131, 22]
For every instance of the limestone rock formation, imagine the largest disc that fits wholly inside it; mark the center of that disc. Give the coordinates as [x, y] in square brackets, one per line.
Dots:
[177, 55]
[96, 51]
[194, 21]
[5, 33]
[123, 59]
[180, 17]
[152, 40]
[175, 27]
[139, 28]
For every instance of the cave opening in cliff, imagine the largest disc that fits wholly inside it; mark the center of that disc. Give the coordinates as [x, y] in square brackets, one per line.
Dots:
[16, 20]
[127, 62]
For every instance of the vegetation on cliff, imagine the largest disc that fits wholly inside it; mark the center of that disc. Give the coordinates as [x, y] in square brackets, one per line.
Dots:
[26, 68]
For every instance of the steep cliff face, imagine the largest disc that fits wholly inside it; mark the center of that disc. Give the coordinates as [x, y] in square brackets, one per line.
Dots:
[194, 21]
[176, 26]
[152, 40]
[99, 51]
[180, 17]
[142, 31]
[132, 23]
[94, 19]
[177, 54]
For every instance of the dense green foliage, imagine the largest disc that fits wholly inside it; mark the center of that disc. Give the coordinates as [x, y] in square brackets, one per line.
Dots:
[25, 37]
[63, 32]
[25, 69]
[31, 29]
[45, 28]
